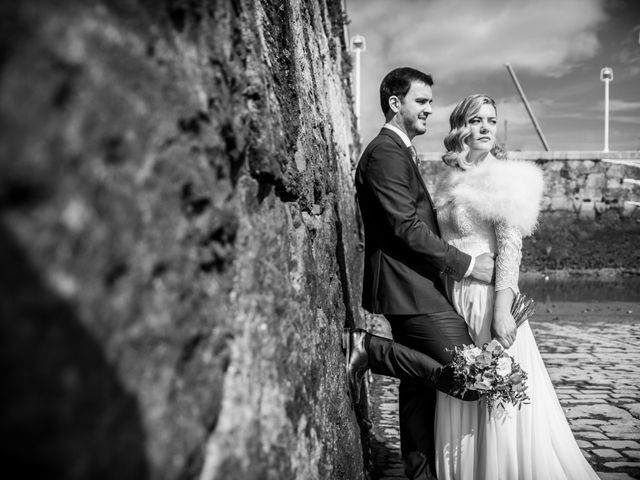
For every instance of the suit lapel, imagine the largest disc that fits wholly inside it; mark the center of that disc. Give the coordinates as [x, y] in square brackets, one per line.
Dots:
[417, 170]
[405, 150]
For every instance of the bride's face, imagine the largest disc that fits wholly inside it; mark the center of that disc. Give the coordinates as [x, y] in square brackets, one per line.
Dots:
[483, 129]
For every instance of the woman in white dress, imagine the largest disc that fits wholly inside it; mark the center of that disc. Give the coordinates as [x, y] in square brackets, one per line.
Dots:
[488, 203]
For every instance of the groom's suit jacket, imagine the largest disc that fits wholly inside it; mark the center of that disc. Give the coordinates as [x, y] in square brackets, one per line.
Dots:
[405, 258]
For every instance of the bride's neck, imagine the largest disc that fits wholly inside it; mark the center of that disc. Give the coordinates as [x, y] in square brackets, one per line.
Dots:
[474, 157]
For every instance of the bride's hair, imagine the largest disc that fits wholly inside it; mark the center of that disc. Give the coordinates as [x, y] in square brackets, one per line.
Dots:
[455, 141]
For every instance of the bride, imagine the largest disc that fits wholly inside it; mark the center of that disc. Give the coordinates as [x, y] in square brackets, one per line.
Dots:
[486, 202]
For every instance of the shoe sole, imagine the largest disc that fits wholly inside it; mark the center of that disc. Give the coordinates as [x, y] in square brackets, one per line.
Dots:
[346, 348]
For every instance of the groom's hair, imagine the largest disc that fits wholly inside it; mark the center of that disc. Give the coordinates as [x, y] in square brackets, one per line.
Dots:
[398, 82]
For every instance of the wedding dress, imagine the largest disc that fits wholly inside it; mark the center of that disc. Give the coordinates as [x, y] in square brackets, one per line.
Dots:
[491, 207]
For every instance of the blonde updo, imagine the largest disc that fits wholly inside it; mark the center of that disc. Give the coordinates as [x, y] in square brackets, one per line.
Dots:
[455, 141]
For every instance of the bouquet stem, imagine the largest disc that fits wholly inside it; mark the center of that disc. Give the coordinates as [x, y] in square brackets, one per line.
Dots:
[522, 308]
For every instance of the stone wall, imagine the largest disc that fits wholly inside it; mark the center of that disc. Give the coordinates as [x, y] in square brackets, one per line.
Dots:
[587, 184]
[587, 220]
[178, 240]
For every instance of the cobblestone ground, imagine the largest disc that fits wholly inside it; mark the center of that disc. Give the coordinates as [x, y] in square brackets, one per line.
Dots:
[592, 354]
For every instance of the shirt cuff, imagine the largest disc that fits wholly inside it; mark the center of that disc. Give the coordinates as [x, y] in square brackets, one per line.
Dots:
[470, 269]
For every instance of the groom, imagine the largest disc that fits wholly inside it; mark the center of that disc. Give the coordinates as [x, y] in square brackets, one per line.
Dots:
[406, 260]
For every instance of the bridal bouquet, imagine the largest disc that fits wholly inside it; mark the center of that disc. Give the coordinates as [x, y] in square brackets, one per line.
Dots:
[490, 370]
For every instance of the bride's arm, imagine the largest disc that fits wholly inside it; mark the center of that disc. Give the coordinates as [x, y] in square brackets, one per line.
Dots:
[509, 240]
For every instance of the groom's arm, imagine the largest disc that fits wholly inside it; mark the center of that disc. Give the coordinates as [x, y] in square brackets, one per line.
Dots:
[389, 176]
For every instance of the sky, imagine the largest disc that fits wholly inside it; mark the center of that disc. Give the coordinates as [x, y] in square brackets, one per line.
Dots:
[556, 48]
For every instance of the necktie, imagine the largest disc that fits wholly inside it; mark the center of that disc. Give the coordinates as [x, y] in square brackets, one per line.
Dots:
[414, 154]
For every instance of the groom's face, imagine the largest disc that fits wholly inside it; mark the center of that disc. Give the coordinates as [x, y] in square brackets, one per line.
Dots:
[414, 109]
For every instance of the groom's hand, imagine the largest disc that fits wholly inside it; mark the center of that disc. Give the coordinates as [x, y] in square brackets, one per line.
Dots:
[484, 267]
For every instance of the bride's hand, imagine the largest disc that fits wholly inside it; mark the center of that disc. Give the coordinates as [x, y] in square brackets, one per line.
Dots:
[503, 329]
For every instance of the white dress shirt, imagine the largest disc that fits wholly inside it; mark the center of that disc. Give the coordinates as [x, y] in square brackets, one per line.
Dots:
[400, 133]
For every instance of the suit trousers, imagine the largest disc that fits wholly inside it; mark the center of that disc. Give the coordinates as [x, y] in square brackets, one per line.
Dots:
[431, 334]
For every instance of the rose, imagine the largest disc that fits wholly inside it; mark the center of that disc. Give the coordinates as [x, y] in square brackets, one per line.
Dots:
[484, 359]
[504, 366]
[470, 354]
[494, 346]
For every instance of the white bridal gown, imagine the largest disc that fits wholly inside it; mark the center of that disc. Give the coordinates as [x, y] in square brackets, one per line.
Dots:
[490, 208]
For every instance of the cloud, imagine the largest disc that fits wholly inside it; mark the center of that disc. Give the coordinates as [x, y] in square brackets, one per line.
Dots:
[457, 37]
[557, 48]
[626, 119]
[615, 105]
[622, 106]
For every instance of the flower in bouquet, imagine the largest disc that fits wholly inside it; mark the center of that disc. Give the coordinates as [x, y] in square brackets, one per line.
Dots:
[491, 371]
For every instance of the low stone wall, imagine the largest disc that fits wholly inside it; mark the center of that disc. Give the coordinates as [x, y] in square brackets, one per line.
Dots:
[178, 240]
[587, 184]
[587, 219]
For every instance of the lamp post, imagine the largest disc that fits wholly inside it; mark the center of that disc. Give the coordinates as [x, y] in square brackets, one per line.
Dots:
[357, 45]
[606, 75]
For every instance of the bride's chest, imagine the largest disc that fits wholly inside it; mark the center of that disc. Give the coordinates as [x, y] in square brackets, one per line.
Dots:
[462, 221]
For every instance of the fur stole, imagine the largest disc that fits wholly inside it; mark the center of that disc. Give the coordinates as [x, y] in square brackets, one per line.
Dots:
[496, 190]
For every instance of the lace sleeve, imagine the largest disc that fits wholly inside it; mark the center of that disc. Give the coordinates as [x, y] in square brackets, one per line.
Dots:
[509, 255]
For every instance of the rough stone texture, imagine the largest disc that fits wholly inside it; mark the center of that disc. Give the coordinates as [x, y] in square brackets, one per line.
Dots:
[586, 219]
[178, 240]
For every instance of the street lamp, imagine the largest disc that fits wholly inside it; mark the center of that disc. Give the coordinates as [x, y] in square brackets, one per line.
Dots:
[357, 45]
[606, 75]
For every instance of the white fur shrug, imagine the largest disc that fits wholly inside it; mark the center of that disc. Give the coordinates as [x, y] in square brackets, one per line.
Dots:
[507, 191]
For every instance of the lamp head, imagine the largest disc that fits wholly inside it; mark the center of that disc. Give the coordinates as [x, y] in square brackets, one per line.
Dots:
[606, 74]
[358, 44]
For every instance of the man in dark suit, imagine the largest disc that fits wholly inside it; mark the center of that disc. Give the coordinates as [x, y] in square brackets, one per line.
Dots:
[406, 263]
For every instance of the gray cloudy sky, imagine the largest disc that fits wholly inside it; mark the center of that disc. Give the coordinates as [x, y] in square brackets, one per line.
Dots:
[557, 48]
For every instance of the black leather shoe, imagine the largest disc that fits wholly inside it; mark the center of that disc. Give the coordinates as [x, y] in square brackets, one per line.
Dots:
[356, 360]
[444, 383]
[417, 466]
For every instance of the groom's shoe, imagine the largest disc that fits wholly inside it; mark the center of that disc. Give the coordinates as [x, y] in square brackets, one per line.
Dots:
[356, 360]
[418, 467]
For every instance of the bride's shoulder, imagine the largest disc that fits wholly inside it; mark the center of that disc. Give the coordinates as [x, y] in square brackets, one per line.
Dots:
[503, 190]
[516, 178]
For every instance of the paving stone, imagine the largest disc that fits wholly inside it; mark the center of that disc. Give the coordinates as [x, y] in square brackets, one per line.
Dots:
[618, 444]
[614, 476]
[606, 410]
[614, 465]
[617, 429]
[628, 436]
[590, 435]
[585, 428]
[584, 401]
[588, 421]
[606, 453]
[635, 454]
[633, 409]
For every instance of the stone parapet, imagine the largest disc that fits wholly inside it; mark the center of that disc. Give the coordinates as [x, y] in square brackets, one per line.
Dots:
[555, 155]
[582, 183]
